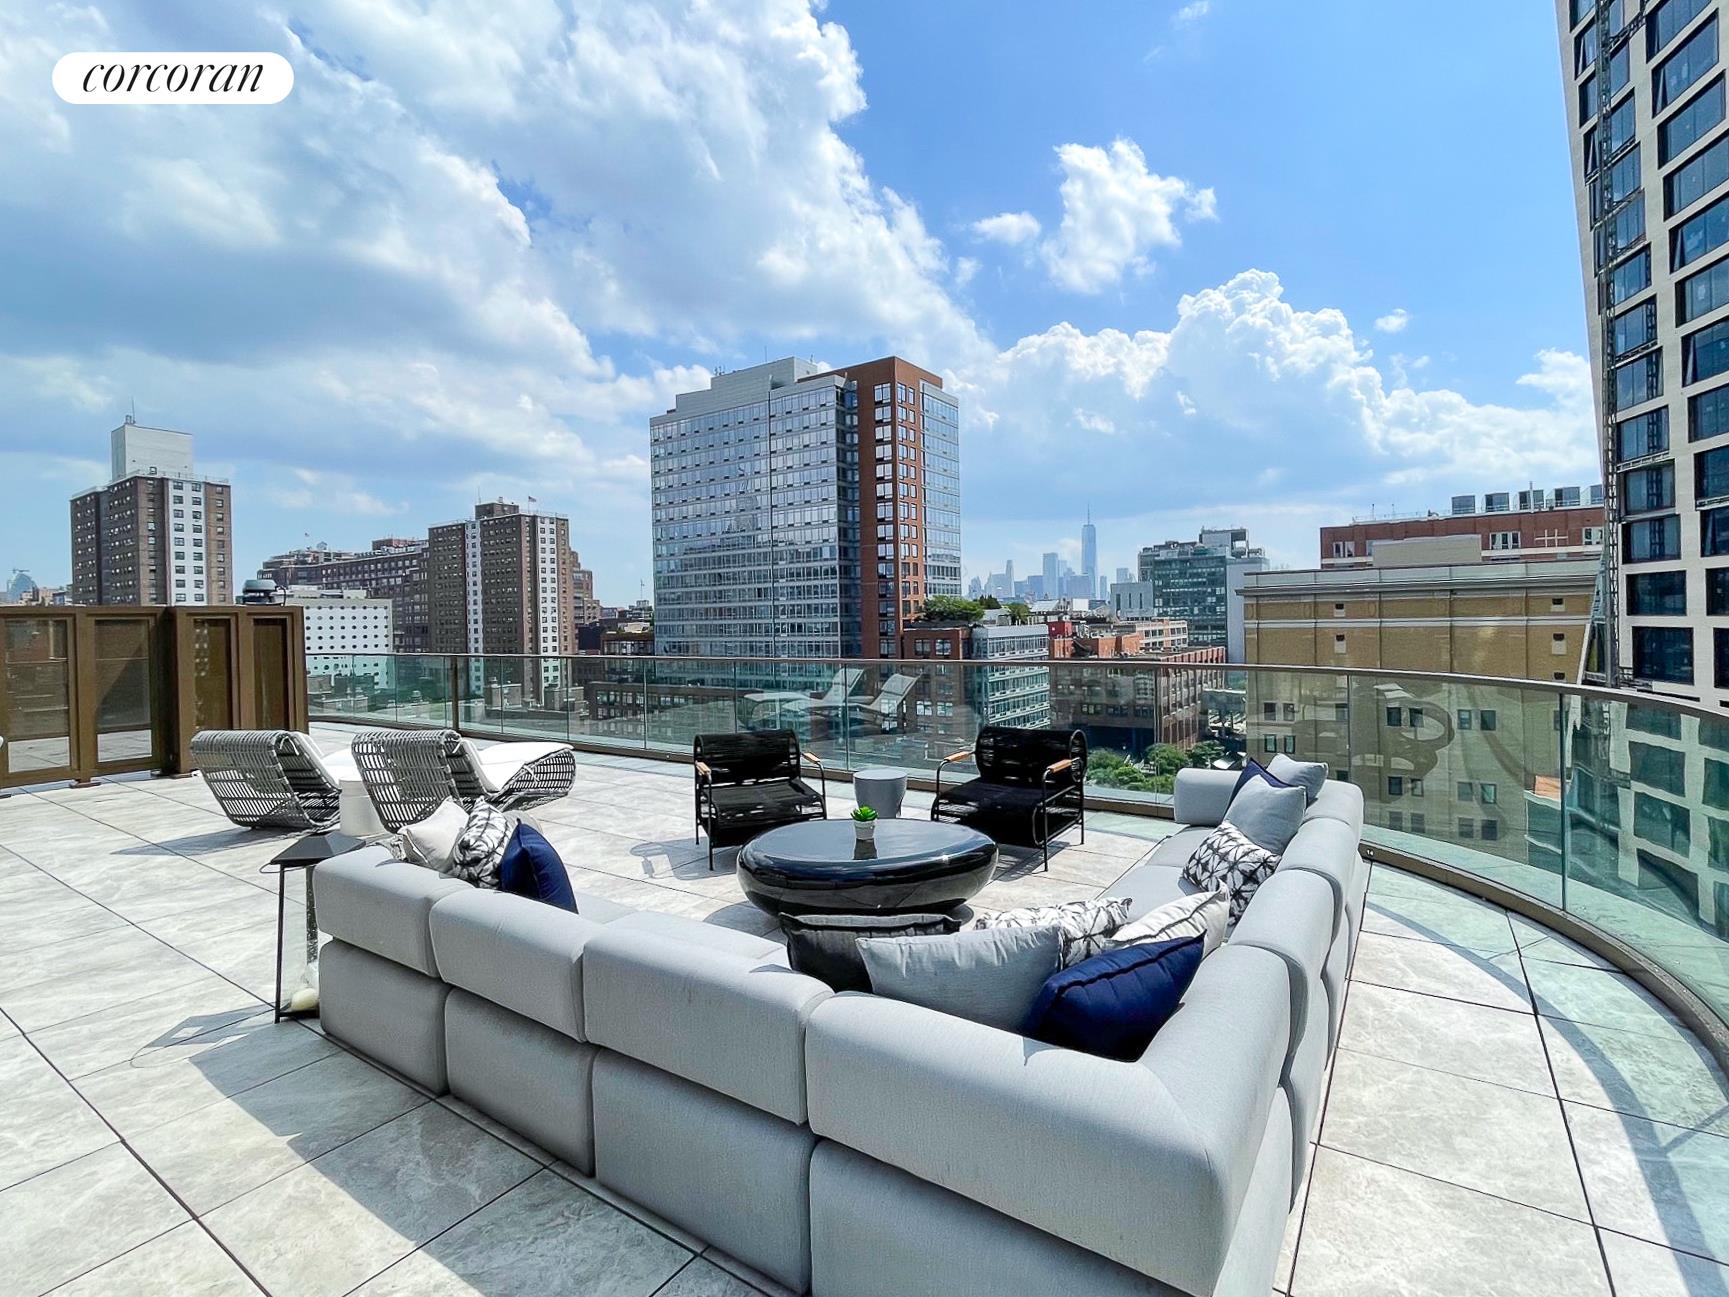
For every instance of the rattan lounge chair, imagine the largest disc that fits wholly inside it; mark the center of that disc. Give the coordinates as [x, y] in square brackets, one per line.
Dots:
[267, 779]
[1031, 786]
[409, 773]
[749, 783]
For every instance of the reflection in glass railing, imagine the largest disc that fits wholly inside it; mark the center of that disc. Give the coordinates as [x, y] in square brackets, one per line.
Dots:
[1616, 811]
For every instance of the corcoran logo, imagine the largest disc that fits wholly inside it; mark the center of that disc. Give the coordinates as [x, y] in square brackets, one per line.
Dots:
[233, 77]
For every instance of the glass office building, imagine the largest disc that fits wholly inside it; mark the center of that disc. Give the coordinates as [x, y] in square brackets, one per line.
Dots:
[803, 513]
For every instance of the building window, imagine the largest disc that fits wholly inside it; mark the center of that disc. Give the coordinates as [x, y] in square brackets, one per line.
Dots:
[1696, 237]
[1634, 274]
[1642, 435]
[1467, 790]
[1646, 489]
[1720, 655]
[1666, 21]
[1338, 643]
[1504, 540]
[1664, 769]
[1395, 785]
[1717, 591]
[1714, 532]
[1396, 820]
[1636, 327]
[1663, 653]
[1467, 829]
[1652, 540]
[1662, 823]
[1657, 594]
[1688, 125]
[1395, 718]
[1711, 474]
[1704, 354]
[1419, 822]
[1490, 830]
[1464, 719]
[1642, 379]
[1696, 56]
[1687, 184]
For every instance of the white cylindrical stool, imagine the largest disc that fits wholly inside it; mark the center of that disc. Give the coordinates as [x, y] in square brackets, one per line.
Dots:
[882, 789]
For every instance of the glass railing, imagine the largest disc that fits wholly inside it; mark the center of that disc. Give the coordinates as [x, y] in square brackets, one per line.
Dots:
[1613, 808]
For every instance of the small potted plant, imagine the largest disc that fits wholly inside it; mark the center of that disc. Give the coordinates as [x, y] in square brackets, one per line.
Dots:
[864, 823]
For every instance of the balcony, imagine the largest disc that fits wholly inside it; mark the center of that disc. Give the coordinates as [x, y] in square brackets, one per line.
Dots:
[1524, 1098]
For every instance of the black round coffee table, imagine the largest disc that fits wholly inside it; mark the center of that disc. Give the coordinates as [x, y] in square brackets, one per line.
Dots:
[820, 867]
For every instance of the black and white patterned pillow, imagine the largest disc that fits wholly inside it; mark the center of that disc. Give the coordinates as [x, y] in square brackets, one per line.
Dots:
[480, 848]
[1086, 926]
[1227, 858]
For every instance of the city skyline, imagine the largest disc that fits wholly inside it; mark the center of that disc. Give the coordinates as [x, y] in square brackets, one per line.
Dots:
[1121, 306]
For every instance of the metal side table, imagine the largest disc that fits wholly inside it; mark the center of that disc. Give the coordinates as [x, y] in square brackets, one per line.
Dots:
[297, 954]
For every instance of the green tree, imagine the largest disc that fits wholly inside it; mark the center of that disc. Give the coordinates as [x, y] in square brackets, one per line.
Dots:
[1108, 769]
[990, 602]
[1019, 613]
[948, 607]
[1204, 753]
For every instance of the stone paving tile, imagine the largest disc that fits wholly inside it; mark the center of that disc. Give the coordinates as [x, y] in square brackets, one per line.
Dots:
[102, 1039]
[1377, 1231]
[78, 1215]
[1501, 1141]
[42, 1122]
[1434, 969]
[1470, 1040]
[182, 1262]
[1642, 1269]
[1661, 1183]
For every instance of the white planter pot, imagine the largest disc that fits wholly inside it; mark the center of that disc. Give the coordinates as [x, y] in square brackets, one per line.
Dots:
[865, 831]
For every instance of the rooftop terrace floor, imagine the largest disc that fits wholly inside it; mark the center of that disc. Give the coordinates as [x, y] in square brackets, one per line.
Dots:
[1506, 1115]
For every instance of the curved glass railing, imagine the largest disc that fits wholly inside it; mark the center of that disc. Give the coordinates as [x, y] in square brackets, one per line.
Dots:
[1610, 807]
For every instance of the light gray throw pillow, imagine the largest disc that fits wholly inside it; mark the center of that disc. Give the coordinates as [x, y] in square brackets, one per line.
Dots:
[988, 975]
[1267, 816]
[1310, 776]
[1203, 914]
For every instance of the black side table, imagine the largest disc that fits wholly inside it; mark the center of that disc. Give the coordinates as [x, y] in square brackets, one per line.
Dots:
[300, 998]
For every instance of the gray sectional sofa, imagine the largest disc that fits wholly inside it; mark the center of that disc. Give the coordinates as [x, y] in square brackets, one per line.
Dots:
[853, 1146]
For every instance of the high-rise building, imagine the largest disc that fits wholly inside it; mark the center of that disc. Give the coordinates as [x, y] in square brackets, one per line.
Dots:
[394, 568]
[157, 533]
[348, 632]
[1650, 155]
[1090, 556]
[1199, 581]
[501, 583]
[802, 512]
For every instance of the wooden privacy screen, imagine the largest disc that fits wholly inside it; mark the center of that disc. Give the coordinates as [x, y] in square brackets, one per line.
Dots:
[105, 690]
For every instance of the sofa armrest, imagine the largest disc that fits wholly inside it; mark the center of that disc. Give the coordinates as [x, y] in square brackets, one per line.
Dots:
[1146, 1162]
[381, 905]
[1203, 796]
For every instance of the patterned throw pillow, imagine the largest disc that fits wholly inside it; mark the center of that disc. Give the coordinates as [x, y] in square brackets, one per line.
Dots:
[480, 848]
[1086, 926]
[1203, 915]
[1227, 858]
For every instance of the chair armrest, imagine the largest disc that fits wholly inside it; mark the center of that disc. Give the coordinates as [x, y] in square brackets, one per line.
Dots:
[1203, 796]
[1057, 767]
[1147, 1163]
[957, 756]
[813, 758]
[703, 770]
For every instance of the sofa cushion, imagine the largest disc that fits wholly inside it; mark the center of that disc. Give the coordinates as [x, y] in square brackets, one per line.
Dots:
[1197, 914]
[731, 1021]
[515, 952]
[383, 907]
[1328, 847]
[987, 975]
[710, 936]
[825, 946]
[1152, 885]
[388, 1012]
[1085, 925]
[1268, 816]
[1228, 859]
[531, 867]
[1310, 776]
[1113, 1004]
[1254, 770]
[431, 841]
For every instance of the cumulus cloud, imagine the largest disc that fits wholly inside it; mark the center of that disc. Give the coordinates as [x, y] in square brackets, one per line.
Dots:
[1012, 228]
[1394, 321]
[1115, 212]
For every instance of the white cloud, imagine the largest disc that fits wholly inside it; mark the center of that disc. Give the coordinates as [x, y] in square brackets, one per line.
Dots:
[306, 487]
[1012, 228]
[1394, 321]
[965, 269]
[1115, 212]
[1191, 13]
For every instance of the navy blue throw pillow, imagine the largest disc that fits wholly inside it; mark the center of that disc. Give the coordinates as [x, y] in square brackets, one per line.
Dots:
[1255, 770]
[1114, 1004]
[532, 868]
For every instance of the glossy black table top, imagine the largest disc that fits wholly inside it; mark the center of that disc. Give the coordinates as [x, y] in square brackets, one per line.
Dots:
[820, 864]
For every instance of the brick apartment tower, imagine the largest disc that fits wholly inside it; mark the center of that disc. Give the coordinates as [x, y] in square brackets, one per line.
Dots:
[157, 533]
[501, 582]
[804, 513]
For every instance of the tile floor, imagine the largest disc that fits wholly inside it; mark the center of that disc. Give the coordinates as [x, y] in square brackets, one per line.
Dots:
[1505, 1115]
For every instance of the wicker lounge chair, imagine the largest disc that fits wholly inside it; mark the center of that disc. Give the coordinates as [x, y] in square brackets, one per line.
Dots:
[267, 779]
[409, 773]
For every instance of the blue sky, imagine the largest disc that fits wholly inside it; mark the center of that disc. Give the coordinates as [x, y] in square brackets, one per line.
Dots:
[1206, 263]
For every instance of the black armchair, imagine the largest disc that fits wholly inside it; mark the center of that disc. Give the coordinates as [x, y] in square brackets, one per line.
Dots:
[1031, 786]
[749, 783]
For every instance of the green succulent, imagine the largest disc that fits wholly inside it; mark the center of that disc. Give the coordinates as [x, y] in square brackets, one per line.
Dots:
[863, 814]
